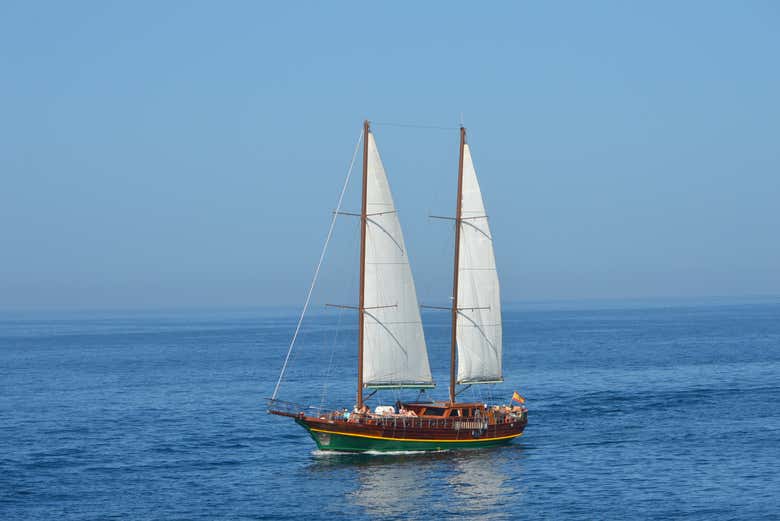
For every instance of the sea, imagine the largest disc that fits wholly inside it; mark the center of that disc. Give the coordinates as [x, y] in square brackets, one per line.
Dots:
[638, 410]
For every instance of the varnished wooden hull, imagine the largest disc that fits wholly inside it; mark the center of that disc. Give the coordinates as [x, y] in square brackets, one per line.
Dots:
[409, 434]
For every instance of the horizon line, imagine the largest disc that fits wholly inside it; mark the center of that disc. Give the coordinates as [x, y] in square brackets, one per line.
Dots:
[587, 302]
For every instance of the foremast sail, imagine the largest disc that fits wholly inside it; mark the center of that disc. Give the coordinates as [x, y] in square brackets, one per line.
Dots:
[393, 350]
[476, 309]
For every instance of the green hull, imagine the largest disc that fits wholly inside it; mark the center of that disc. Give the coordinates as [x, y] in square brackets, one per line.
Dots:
[352, 443]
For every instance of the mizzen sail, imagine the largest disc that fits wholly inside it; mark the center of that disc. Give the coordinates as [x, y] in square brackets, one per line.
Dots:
[394, 351]
[479, 300]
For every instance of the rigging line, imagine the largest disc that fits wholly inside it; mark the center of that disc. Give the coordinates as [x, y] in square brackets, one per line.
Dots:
[319, 265]
[412, 125]
[330, 361]
[372, 221]
[326, 385]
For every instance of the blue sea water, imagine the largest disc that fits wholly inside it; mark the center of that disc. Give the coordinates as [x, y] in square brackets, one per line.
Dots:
[639, 412]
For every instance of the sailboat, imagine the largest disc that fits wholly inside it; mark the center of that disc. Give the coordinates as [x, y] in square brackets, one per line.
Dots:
[392, 353]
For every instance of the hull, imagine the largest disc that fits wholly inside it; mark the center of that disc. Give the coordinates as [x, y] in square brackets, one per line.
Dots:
[351, 438]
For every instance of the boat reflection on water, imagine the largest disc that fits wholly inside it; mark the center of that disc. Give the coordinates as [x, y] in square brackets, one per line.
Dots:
[417, 485]
[482, 488]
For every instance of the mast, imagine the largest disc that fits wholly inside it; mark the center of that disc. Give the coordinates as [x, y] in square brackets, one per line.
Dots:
[456, 267]
[362, 297]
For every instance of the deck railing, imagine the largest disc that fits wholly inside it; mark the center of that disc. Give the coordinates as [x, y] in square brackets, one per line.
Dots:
[295, 408]
[395, 421]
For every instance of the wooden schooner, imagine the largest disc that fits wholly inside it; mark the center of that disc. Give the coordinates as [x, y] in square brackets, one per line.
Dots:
[392, 353]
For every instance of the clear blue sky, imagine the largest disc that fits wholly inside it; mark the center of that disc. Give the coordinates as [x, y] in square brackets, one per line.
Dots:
[161, 154]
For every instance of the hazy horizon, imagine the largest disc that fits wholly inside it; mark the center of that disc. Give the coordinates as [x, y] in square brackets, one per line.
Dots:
[190, 155]
[292, 311]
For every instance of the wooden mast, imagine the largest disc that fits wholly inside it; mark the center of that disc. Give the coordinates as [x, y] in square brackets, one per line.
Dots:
[362, 297]
[457, 264]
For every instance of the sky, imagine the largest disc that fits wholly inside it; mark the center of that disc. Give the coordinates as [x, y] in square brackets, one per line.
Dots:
[189, 154]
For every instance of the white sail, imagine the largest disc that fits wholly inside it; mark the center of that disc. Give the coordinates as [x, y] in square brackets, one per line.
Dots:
[479, 299]
[394, 352]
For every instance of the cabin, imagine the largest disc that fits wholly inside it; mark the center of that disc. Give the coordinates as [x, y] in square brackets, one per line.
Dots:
[446, 410]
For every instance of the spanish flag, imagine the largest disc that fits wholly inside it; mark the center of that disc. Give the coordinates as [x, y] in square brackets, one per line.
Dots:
[516, 397]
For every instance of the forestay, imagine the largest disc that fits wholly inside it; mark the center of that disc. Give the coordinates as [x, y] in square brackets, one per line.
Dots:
[479, 299]
[394, 352]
